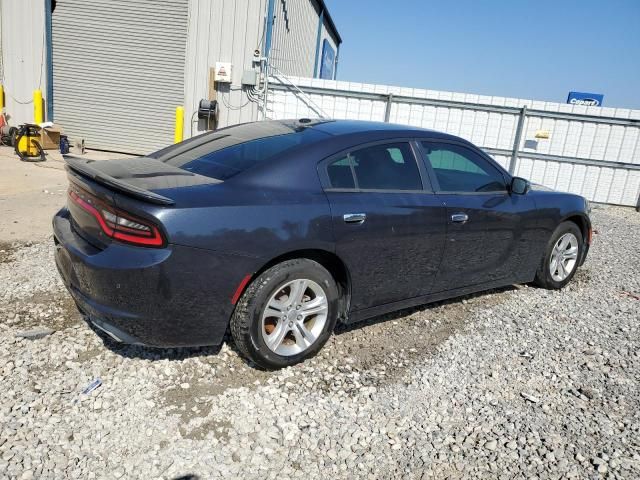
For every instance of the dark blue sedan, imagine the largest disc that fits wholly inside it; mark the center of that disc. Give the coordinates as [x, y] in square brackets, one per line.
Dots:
[277, 230]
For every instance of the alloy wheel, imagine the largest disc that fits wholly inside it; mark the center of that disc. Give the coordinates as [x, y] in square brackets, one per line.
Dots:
[564, 257]
[294, 317]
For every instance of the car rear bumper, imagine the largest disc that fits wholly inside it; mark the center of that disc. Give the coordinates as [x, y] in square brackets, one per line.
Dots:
[169, 297]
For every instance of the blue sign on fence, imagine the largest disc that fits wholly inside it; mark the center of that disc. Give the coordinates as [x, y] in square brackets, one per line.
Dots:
[586, 99]
[328, 60]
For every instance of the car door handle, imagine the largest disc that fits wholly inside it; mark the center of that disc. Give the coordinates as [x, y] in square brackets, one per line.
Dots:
[354, 217]
[459, 217]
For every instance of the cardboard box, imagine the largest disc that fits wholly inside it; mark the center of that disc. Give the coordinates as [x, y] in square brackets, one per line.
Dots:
[50, 137]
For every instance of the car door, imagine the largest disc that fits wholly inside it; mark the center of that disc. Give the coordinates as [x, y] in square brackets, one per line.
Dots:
[389, 227]
[489, 230]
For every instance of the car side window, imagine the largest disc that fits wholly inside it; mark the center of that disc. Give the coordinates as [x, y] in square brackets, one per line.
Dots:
[389, 166]
[340, 173]
[461, 170]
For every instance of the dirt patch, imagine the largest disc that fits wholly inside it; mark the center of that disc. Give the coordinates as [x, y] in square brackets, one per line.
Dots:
[195, 403]
[189, 402]
[53, 310]
[6, 251]
[89, 354]
[416, 331]
[220, 429]
[582, 277]
[204, 389]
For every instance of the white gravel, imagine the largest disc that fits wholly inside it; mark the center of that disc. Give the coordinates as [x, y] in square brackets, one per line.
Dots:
[517, 383]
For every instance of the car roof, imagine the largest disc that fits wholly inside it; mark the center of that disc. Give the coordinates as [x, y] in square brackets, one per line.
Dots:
[350, 127]
[316, 139]
[335, 136]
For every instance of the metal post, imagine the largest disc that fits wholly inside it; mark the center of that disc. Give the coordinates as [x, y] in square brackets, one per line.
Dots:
[269, 20]
[387, 111]
[38, 110]
[49, 49]
[638, 203]
[318, 40]
[178, 133]
[517, 140]
[268, 26]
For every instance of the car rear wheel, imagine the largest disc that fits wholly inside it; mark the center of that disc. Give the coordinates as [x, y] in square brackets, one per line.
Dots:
[286, 314]
[561, 257]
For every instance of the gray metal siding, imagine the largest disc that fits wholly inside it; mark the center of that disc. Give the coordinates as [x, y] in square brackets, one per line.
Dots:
[221, 31]
[295, 34]
[22, 55]
[230, 31]
[118, 70]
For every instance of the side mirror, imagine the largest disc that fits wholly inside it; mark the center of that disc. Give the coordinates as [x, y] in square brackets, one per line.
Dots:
[520, 186]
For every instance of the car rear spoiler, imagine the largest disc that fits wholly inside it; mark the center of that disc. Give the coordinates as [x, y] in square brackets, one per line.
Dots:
[82, 167]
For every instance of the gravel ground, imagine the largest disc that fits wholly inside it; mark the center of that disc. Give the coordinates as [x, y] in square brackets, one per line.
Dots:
[516, 383]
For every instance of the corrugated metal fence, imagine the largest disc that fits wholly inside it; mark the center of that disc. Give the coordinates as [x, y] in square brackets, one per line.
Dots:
[592, 151]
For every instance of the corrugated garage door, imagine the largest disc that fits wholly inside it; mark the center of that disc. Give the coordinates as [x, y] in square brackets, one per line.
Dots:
[118, 71]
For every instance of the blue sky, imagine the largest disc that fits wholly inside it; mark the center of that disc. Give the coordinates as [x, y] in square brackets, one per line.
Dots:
[538, 49]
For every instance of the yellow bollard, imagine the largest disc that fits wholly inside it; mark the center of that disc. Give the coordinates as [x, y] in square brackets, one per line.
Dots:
[1, 98]
[38, 112]
[179, 129]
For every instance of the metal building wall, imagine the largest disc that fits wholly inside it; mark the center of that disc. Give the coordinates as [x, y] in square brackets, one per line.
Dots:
[230, 31]
[592, 151]
[295, 34]
[22, 45]
[118, 70]
[221, 31]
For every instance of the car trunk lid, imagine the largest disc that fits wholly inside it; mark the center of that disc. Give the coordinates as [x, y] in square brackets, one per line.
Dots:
[138, 177]
[95, 187]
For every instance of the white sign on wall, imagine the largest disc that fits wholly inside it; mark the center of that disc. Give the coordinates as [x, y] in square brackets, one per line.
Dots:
[223, 72]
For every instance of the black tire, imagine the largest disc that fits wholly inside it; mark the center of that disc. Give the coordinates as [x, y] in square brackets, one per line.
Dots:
[246, 321]
[544, 278]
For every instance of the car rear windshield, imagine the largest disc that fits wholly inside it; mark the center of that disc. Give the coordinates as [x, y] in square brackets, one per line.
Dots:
[226, 153]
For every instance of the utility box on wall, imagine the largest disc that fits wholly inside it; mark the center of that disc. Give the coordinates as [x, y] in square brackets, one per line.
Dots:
[223, 72]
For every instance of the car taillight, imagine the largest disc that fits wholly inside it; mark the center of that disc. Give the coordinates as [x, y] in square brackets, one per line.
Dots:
[117, 224]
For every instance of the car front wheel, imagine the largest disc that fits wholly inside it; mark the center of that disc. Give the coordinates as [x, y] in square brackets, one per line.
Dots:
[561, 258]
[286, 314]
